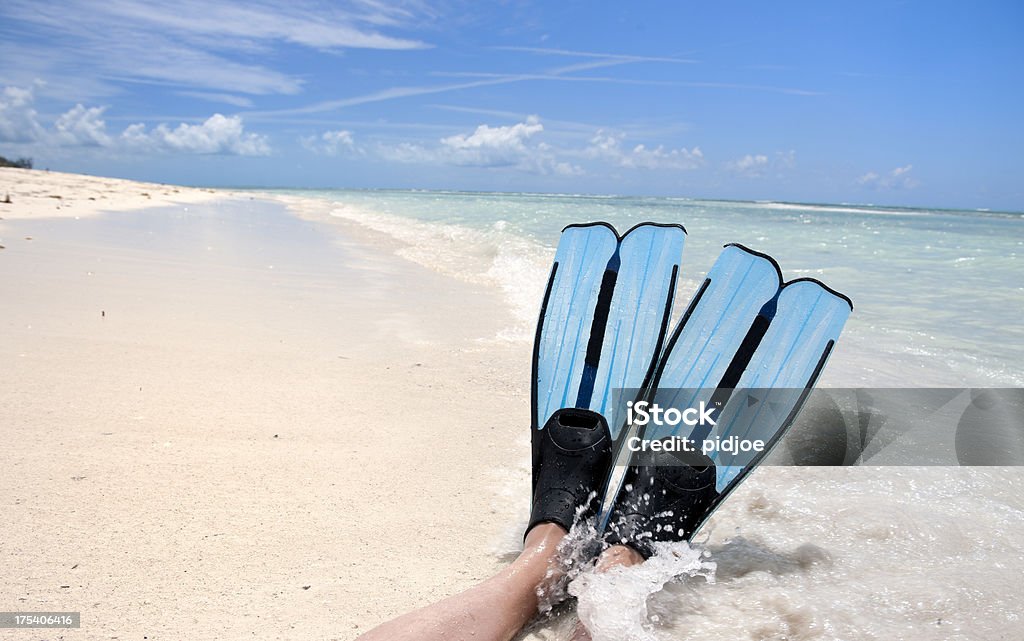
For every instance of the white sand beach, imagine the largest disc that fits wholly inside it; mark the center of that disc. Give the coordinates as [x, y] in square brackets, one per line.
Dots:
[222, 421]
[53, 194]
[232, 415]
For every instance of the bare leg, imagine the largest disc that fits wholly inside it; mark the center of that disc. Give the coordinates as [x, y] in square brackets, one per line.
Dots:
[615, 556]
[495, 610]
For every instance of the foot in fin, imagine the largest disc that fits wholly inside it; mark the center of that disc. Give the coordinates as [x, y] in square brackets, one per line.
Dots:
[602, 325]
[662, 500]
[574, 458]
[753, 344]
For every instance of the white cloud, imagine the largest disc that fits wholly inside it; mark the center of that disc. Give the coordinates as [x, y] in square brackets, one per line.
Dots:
[898, 178]
[492, 146]
[82, 126]
[134, 137]
[543, 160]
[218, 134]
[508, 146]
[407, 152]
[605, 145]
[18, 118]
[518, 146]
[748, 163]
[340, 137]
[757, 165]
[660, 158]
[331, 143]
[608, 146]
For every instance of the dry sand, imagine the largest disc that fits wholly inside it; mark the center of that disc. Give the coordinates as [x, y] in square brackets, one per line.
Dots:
[222, 421]
[52, 194]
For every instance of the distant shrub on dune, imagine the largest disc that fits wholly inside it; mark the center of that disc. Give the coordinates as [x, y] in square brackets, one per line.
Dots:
[20, 163]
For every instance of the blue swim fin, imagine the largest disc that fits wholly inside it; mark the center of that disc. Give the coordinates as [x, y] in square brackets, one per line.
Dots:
[602, 326]
[808, 318]
[749, 347]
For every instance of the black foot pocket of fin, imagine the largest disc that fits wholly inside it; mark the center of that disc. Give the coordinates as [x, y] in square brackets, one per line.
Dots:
[574, 454]
[664, 499]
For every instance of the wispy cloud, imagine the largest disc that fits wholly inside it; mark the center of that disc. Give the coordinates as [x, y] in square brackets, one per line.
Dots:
[766, 67]
[226, 98]
[322, 26]
[565, 73]
[482, 80]
[596, 54]
[898, 178]
[759, 165]
[391, 93]
[194, 44]
[557, 75]
[794, 91]
[626, 81]
[228, 24]
[331, 143]
[608, 146]
[610, 59]
[485, 79]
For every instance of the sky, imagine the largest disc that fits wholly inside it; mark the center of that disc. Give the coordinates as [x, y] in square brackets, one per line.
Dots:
[901, 103]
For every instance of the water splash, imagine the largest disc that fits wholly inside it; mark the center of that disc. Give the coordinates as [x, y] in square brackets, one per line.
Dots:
[614, 604]
[576, 554]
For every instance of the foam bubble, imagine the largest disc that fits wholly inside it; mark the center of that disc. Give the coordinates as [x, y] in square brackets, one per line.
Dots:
[614, 605]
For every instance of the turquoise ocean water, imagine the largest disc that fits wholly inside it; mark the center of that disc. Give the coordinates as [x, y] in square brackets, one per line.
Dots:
[939, 294]
[795, 552]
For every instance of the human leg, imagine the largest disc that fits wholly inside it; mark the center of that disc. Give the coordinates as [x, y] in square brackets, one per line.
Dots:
[494, 610]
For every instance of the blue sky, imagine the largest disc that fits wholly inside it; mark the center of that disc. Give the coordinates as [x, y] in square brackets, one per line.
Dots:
[915, 103]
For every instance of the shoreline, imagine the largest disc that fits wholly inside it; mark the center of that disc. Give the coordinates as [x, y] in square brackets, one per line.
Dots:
[796, 204]
[219, 405]
[38, 193]
[230, 417]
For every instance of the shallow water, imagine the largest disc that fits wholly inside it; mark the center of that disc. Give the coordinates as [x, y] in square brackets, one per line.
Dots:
[938, 293]
[829, 553]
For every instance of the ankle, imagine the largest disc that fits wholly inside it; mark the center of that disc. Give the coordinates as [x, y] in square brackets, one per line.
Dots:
[618, 555]
[543, 538]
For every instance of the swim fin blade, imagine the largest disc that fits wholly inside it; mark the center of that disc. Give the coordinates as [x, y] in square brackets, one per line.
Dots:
[602, 325]
[749, 346]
